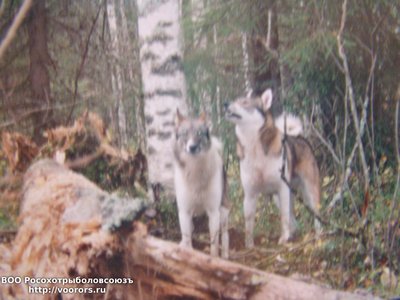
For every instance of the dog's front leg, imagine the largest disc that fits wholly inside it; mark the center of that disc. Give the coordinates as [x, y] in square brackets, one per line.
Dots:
[214, 225]
[287, 218]
[224, 213]
[185, 222]
[250, 203]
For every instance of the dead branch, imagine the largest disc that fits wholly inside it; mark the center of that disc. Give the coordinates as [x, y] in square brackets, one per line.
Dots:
[169, 270]
[22, 116]
[81, 65]
[351, 97]
[325, 143]
[84, 161]
[12, 31]
[84, 144]
[19, 150]
[2, 8]
[390, 241]
[70, 228]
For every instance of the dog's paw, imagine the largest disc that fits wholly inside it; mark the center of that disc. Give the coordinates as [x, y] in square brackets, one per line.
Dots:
[284, 239]
[185, 244]
[249, 243]
[225, 255]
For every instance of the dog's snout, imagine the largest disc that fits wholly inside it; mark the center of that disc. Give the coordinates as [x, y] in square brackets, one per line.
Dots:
[226, 105]
[193, 148]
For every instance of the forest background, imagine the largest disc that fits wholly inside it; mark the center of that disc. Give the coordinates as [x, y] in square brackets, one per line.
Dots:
[334, 63]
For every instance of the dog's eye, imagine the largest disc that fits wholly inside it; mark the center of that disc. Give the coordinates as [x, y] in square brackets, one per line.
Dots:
[203, 133]
[182, 134]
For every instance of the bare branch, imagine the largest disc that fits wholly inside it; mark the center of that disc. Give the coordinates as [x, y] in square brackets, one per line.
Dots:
[332, 55]
[264, 42]
[81, 65]
[268, 41]
[27, 114]
[2, 7]
[396, 189]
[326, 144]
[346, 175]
[12, 31]
[358, 125]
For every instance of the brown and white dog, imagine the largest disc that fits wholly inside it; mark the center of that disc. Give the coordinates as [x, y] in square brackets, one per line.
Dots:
[200, 181]
[262, 149]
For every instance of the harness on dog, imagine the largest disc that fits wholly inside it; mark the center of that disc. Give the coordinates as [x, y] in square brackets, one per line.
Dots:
[292, 190]
[284, 155]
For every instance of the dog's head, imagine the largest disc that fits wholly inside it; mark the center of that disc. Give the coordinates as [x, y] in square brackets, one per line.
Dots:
[249, 110]
[192, 135]
[256, 111]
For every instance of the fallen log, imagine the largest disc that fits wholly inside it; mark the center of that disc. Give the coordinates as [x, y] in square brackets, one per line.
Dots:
[71, 229]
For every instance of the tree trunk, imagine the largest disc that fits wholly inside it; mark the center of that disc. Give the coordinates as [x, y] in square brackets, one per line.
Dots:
[217, 86]
[245, 50]
[129, 8]
[72, 229]
[164, 269]
[200, 42]
[265, 64]
[117, 76]
[38, 73]
[164, 88]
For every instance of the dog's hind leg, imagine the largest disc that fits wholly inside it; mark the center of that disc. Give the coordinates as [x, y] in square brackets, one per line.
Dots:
[249, 205]
[224, 212]
[214, 225]
[310, 188]
[311, 194]
[287, 214]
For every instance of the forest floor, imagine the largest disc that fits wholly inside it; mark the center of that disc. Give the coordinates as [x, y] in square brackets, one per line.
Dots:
[313, 259]
[326, 260]
[330, 259]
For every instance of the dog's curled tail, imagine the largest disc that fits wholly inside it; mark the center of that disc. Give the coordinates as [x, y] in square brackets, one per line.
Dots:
[294, 126]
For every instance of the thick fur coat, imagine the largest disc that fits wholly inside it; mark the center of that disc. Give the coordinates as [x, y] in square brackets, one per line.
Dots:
[265, 145]
[200, 181]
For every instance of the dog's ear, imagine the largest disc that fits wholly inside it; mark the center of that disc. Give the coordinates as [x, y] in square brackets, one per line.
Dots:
[206, 121]
[249, 93]
[266, 99]
[203, 117]
[179, 118]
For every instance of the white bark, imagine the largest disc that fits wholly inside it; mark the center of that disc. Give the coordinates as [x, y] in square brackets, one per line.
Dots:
[116, 76]
[164, 86]
[358, 125]
[217, 89]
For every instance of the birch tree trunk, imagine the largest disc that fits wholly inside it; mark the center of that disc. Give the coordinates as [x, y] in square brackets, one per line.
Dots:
[116, 76]
[163, 81]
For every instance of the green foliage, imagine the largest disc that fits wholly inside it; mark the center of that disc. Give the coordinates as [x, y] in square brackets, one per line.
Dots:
[311, 80]
[5, 221]
[314, 85]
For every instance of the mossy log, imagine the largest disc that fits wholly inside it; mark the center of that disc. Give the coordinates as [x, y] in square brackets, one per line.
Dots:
[70, 228]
